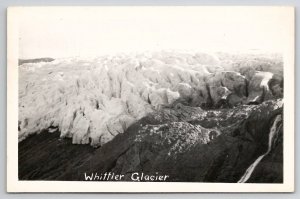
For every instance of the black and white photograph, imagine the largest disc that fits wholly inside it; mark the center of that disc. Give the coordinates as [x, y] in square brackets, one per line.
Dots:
[151, 99]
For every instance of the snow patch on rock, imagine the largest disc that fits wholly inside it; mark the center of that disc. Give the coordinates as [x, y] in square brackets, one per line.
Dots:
[267, 76]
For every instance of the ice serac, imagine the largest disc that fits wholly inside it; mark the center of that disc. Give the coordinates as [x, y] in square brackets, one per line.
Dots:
[93, 100]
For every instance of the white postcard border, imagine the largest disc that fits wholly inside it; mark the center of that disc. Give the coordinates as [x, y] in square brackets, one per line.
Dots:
[14, 185]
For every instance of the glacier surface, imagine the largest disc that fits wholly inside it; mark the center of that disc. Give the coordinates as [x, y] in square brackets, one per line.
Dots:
[93, 100]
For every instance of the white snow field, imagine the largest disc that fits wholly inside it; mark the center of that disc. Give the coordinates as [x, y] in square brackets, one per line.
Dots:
[93, 100]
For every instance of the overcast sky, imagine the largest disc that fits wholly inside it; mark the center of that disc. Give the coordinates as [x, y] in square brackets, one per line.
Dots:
[64, 32]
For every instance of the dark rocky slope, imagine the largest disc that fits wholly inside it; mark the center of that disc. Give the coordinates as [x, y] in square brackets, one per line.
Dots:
[45, 156]
[199, 146]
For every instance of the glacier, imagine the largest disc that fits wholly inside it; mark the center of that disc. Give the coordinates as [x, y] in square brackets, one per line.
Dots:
[93, 100]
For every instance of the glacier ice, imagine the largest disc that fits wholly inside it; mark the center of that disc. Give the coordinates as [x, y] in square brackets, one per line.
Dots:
[93, 100]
